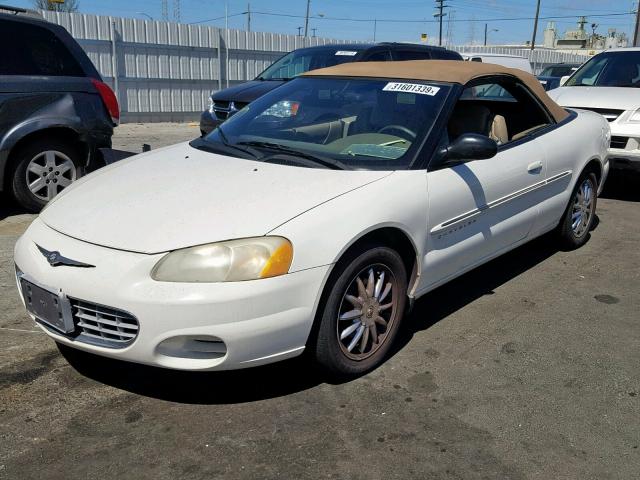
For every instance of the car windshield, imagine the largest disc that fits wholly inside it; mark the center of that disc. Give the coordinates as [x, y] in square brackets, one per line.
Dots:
[305, 59]
[558, 70]
[335, 123]
[611, 69]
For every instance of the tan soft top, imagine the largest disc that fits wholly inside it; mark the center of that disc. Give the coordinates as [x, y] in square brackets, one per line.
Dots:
[449, 71]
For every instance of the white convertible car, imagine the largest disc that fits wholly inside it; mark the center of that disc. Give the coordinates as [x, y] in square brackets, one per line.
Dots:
[312, 218]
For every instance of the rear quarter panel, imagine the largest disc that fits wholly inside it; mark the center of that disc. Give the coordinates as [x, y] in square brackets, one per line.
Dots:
[30, 105]
[569, 148]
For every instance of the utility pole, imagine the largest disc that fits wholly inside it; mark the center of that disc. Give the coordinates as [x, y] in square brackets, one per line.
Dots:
[176, 11]
[487, 31]
[165, 10]
[636, 35]
[306, 20]
[375, 27]
[314, 32]
[248, 17]
[440, 6]
[535, 27]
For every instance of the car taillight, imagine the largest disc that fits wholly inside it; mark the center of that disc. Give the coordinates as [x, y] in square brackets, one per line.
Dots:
[108, 98]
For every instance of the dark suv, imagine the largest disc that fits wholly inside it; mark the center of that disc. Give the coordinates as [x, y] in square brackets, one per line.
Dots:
[55, 111]
[225, 103]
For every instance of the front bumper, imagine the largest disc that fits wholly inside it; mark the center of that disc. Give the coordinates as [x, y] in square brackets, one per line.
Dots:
[624, 151]
[259, 322]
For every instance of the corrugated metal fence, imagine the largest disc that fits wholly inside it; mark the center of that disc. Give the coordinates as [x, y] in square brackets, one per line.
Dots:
[164, 71]
[539, 58]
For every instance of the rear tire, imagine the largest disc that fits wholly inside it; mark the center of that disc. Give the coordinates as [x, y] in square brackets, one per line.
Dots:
[41, 169]
[361, 316]
[577, 221]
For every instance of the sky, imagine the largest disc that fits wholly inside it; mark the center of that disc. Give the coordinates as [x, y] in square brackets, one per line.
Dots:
[509, 21]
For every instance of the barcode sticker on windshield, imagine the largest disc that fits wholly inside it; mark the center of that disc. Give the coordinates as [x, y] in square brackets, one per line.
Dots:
[411, 88]
[348, 53]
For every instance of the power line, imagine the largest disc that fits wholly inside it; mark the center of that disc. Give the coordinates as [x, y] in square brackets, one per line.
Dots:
[346, 19]
[401, 20]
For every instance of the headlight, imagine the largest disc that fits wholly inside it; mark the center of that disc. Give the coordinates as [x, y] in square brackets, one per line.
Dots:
[634, 117]
[231, 261]
[210, 106]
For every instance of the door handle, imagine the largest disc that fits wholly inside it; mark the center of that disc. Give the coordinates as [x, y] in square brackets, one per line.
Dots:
[535, 166]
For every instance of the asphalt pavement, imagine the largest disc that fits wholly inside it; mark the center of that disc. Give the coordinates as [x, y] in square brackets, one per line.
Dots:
[526, 368]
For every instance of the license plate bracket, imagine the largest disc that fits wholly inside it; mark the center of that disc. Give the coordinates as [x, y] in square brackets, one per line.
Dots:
[50, 308]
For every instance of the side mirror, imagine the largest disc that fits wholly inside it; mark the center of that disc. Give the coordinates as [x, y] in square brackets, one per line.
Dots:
[470, 146]
[564, 79]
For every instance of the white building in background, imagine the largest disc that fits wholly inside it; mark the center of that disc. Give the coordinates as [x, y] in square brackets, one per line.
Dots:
[580, 38]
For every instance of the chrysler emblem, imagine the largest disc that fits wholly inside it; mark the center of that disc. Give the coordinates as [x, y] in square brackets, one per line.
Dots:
[55, 259]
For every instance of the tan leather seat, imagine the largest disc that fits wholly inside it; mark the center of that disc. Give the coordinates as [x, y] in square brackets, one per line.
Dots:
[499, 131]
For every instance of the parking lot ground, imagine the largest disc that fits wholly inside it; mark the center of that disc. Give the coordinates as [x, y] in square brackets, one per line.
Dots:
[526, 368]
[131, 136]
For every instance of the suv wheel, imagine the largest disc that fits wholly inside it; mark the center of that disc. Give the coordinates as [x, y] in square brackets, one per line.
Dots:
[42, 169]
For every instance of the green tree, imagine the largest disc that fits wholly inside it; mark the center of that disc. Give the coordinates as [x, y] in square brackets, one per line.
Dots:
[57, 6]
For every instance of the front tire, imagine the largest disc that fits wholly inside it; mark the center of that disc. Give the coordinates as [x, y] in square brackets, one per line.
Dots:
[577, 222]
[42, 169]
[362, 312]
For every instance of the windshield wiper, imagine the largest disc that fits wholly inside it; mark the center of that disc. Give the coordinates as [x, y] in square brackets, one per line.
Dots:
[282, 149]
[228, 144]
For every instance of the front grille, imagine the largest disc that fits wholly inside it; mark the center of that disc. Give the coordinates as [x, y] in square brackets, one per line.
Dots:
[224, 109]
[221, 104]
[104, 326]
[608, 113]
[619, 142]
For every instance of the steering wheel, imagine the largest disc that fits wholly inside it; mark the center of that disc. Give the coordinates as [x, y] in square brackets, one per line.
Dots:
[401, 128]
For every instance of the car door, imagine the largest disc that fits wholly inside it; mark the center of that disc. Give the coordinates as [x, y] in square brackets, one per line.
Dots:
[480, 208]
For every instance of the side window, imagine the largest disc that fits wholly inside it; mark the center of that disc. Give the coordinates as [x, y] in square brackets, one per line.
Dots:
[379, 56]
[411, 55]
[503, 111]
[32, 50]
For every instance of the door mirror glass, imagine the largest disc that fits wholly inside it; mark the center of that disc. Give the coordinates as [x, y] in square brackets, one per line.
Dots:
[470, 146]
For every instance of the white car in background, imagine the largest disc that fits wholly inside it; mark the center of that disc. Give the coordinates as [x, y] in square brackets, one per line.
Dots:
[510, 61]
[311, 218]
[609, 84]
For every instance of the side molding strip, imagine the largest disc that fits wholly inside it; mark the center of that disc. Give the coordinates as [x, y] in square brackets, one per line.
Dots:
[500, 201]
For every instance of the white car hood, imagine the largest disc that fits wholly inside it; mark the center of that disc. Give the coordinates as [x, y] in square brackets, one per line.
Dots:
[180, 197]
[618, 98]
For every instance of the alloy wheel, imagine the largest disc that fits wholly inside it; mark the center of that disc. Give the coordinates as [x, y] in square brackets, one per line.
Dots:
[48, 173]
[367, 312]
[582, 208]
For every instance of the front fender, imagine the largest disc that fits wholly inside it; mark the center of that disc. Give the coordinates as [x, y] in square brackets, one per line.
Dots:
[321, 235]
